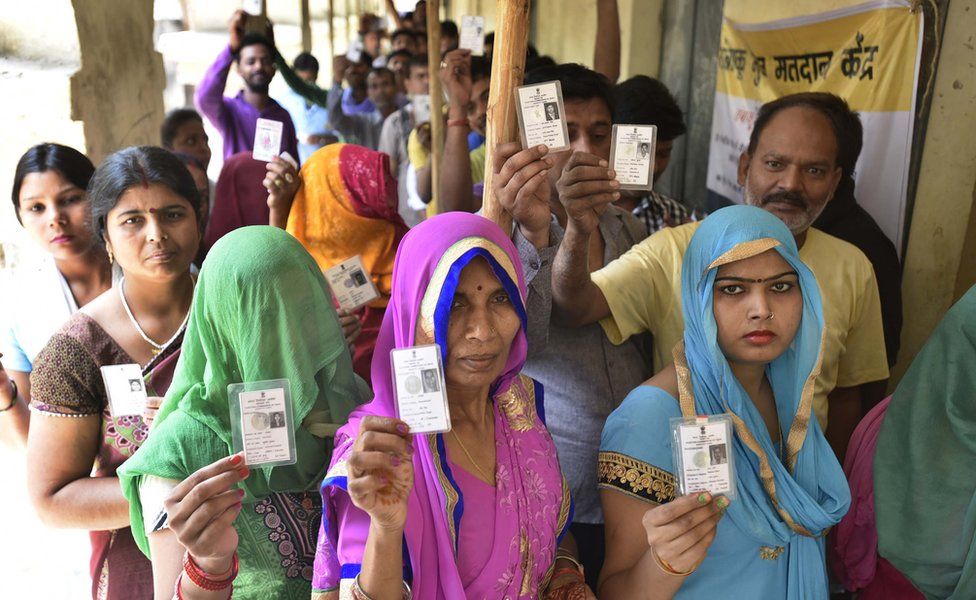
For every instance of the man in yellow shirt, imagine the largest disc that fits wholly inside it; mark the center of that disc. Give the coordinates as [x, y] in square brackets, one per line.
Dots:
[796, 157]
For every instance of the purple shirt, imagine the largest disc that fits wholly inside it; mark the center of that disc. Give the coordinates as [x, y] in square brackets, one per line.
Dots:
[234, 118]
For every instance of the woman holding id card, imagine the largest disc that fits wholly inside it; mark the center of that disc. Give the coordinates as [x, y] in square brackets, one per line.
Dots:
[750, 355]
[476, 509]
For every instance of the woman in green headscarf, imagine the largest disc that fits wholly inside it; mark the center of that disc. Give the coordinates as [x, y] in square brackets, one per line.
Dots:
[261, 311]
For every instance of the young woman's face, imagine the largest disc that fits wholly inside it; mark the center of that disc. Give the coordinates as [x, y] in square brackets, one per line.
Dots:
[153, 233]
[56, 214]
[482, 327]
[758, 306]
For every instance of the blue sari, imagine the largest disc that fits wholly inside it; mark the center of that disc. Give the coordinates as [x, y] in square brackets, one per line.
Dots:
[770, 544]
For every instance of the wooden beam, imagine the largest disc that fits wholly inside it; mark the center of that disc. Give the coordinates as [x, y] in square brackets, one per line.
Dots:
[332, 48]
[436, 102]
[507, 72]
[306, 27]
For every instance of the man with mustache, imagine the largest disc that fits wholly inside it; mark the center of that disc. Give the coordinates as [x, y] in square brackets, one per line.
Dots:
[236, 118]
[791, 168]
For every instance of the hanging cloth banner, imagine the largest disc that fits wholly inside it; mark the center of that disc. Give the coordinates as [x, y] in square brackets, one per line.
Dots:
[868, 54]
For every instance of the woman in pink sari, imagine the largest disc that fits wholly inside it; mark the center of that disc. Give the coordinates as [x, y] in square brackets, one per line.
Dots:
[480, 511]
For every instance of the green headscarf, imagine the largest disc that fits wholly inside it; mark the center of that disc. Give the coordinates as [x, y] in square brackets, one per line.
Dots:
[261, 310]
[924, 473]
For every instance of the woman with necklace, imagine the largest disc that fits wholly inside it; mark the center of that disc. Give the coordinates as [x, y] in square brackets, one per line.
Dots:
[145, 209]
[50, 202]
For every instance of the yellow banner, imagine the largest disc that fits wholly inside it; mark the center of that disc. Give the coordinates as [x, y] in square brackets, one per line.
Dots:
[867, 58]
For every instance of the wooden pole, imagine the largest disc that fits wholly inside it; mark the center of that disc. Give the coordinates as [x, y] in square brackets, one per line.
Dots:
[436, 102]
[306, 27]
[507, 72]
[332, 48]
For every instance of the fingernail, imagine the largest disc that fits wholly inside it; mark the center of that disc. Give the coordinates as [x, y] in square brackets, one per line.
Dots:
[703, 498]
[243, 472]
[604, 163]
[410, 450]
[542, 148]
[236, 459]
[616, 195]
[403, 428]
[614, 183]
[395, 460]
[722, 503]
[240, 493]
[611, 173]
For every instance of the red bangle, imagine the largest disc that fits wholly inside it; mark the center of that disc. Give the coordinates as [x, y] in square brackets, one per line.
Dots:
[204, 580]
[457, 122]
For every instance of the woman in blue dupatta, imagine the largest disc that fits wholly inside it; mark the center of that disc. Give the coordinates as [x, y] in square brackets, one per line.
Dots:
[752, 347]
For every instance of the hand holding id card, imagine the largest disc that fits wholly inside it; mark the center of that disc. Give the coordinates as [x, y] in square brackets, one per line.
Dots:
[541, 116]
[350, 283]
[418, 383]
[126, 390]
[267, 140]
[632, 155]
[262, 424]
[702, 448]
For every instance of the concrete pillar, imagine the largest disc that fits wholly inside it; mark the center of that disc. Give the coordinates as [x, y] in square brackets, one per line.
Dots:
[118, 92]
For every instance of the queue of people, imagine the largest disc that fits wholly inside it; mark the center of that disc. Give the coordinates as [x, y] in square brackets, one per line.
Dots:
[568, 350]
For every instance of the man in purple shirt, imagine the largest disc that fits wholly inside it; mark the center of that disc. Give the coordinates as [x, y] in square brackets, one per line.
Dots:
[236, 118]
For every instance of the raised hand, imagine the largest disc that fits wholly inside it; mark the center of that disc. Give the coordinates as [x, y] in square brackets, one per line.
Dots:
[455, 74]
[521, 185]
[586, 187]
[381, 471]
[202, 509]
[282, 182]
[681, 532]
[236, 27]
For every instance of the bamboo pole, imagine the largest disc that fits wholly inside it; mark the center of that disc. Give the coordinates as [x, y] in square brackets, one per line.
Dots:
[306, 27]
[436, 102]
[332, 48]
[507, 72]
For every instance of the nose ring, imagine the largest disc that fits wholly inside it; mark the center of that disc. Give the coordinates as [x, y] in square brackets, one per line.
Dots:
[770, 317]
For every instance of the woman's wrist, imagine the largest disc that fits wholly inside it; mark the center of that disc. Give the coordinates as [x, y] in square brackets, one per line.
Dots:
[216, 567]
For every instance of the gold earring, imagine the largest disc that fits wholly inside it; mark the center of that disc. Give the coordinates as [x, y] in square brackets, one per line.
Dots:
[111, 257]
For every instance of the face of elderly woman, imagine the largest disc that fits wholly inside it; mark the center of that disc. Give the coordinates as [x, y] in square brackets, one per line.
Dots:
[758, 307]
[483, 325]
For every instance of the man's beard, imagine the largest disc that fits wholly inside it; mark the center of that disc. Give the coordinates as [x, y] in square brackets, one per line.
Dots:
[256, 88]
[796, 222]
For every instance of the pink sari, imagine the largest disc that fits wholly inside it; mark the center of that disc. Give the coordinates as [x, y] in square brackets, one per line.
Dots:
[532, 507]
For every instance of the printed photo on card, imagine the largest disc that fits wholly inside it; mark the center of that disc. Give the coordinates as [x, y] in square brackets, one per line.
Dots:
[421, 108]
[351, 284]
[125, 388]
[355, 52]
[703, 454]
[632, 155]
[267, 139]
[541, 116]
[418, 381]
[261, 422]
[473, 34]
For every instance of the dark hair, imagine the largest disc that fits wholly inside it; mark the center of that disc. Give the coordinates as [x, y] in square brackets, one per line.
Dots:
[382, 71]
[416, 60]
[490, 39]
[137, 166]
[643, 100]
[846, 124]
[403, 31]
[538, 62]
[65, 160]
[480, 68]
[253, 39]
[175, 119]
[449, 29]
[306, 62]
[578, 82]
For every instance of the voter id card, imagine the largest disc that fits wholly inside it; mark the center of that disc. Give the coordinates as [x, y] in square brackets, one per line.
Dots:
[473, 34]
[418, 382]
[632, 156]
[262, 423]
[351, 284]
[267, 140]
[702, 448]
[541, 116]
[125, 388]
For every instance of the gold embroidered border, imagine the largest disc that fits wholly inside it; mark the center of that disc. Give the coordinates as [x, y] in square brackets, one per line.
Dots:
[636, 478]
[517, 403]
[458, 249]
[770, 552]
[744, 250]
[450, 494]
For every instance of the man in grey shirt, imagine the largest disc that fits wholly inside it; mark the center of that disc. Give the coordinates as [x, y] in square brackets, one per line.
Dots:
[585, 376]
[362, 129]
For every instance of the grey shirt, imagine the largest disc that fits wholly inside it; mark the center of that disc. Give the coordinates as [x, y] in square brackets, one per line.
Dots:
[585, 376]
[393, 141]
[360, 129]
